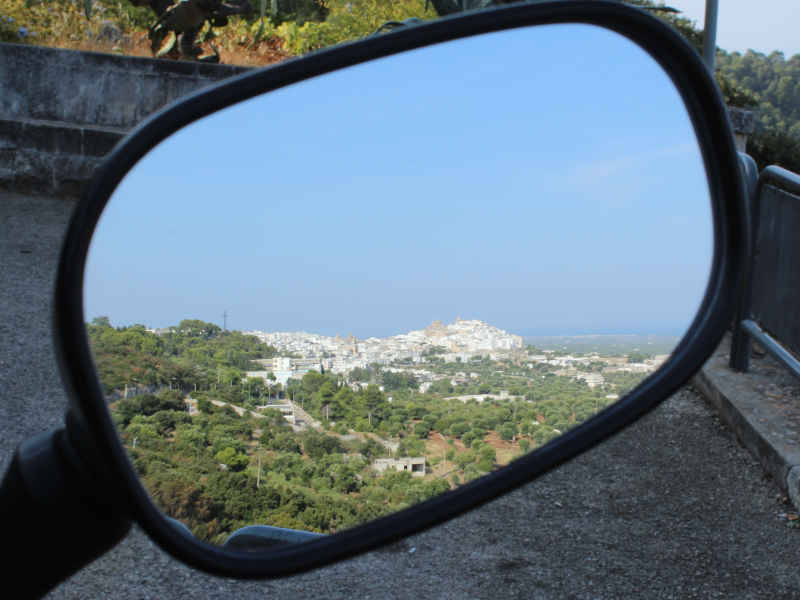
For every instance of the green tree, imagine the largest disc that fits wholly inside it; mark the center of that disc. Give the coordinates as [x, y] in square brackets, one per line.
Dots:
[506, 431]
[197, 328]
[318, 445]
[235, 461]
[422, 430]
[462, 459]
[458, 429]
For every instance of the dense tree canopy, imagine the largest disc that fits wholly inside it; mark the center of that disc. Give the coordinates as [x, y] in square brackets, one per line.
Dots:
[191, 354]
[213, 457]
[767, 83]
[773, 83]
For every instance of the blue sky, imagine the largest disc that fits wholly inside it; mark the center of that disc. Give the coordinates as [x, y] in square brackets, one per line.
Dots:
[543, 180]
[744, 24]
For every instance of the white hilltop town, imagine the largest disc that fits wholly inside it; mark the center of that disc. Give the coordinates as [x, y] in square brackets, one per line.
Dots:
[455, 341]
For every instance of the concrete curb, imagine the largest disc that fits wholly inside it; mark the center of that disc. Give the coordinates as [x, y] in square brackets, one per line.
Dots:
[759, 421]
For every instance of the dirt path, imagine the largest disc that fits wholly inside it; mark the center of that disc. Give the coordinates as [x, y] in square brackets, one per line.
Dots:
[193, 410]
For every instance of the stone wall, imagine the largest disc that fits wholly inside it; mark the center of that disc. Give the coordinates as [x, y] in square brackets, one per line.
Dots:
[61, 111]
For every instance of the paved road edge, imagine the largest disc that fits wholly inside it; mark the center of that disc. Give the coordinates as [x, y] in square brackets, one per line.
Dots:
[756, 423]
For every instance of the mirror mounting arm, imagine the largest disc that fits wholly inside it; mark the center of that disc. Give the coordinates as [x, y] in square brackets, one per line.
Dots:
[58, 516]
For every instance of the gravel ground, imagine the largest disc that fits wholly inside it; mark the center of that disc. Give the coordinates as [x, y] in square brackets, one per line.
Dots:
[672, 507]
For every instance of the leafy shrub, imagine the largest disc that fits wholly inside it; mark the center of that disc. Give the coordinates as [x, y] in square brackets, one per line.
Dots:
[458, 429]
[235, 461]
[317, 445]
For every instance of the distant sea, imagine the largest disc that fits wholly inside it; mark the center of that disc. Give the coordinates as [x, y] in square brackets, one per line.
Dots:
[608, 343]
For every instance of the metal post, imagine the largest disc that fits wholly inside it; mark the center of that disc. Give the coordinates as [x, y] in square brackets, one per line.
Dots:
[710, 33]
[740, 341]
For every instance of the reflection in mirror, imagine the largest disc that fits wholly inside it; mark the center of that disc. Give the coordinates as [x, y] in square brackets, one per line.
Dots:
[352, 294]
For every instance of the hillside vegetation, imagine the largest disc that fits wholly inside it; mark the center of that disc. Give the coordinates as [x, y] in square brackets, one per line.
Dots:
[772, 83]
[118, 26]
[213, 450]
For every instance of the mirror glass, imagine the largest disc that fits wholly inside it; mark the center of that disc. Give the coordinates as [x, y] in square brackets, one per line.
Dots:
[347, 296]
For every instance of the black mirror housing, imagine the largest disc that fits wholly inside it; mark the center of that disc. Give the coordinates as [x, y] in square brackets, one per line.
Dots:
[101, 448]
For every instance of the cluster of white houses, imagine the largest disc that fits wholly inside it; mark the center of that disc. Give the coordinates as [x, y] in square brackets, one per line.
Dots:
[460, 340]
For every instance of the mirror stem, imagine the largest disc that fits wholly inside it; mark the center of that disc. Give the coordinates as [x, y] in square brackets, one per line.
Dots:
[57, 519]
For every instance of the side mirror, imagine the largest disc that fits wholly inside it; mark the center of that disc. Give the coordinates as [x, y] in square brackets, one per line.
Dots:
[566, 164]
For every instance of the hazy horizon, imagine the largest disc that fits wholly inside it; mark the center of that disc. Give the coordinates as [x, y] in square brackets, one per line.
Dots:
[522, 332]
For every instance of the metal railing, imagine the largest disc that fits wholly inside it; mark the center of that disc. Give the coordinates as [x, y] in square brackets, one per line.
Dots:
[769, 306]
